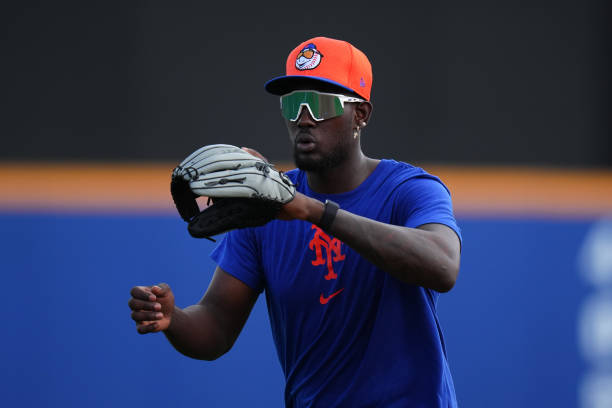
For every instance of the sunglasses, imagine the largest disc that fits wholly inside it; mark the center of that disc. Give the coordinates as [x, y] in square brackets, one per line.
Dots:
[320, 105]
[308, 54]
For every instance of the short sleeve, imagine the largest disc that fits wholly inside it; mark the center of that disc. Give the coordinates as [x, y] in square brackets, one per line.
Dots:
[424, 200]
[238, 255]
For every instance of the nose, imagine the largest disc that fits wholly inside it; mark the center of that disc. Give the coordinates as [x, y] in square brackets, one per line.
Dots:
[304, 118]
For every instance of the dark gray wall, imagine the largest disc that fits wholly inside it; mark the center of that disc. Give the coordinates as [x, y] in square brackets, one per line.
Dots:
[515, 82]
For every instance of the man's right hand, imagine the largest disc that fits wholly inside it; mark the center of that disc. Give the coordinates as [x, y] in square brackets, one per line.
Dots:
[152, 307]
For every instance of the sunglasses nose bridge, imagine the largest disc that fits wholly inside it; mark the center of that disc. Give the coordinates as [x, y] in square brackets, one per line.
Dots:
[304, 115]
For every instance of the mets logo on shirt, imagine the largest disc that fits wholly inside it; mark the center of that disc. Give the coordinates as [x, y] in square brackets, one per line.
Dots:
[308, 58]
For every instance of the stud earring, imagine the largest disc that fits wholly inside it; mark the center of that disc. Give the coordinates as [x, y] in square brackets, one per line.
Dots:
[363, 124]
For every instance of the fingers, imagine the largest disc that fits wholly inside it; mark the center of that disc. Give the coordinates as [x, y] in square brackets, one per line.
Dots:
[150, 293]
[147, 327]
[142, 293]
[146, 305]
[141, 316]
[160, 290]
[136, 304]
[255, 153]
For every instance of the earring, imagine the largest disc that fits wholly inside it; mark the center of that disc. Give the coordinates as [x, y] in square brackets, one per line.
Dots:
[363, 124]
[356, 133]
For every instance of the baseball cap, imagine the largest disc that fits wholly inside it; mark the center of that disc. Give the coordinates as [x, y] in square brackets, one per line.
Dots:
[326, 60]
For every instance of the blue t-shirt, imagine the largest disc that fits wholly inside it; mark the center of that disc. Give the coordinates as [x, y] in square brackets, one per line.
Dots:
[347, 333]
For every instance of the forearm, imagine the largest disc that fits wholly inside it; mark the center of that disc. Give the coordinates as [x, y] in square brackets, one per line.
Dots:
[414, 256]
[197, 333]
[411, 255]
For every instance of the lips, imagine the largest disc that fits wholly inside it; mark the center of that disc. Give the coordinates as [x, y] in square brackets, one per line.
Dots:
[304, 143]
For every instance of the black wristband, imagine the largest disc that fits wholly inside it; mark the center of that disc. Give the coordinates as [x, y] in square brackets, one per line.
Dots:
[329, 214]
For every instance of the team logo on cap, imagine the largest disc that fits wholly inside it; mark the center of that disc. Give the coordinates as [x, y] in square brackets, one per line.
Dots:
[308, 58]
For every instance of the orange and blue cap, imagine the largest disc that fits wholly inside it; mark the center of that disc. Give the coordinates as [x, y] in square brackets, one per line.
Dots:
[323, 59]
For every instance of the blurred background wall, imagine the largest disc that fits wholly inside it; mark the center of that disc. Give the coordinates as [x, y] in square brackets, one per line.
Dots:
[509, 102]
[462, 82]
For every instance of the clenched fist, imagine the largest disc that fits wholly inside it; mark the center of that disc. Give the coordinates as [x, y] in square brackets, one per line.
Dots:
[152, 307]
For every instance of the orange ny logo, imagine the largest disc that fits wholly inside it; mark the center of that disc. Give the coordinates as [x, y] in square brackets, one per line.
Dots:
[331, 245]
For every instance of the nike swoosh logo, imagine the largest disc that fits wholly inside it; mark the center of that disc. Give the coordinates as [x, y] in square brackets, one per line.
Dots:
[323, 300]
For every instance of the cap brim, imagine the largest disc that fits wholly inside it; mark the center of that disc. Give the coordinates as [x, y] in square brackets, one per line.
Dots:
[285, 84]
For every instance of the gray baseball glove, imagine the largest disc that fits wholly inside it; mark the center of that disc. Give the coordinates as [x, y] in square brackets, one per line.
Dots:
[245, 190]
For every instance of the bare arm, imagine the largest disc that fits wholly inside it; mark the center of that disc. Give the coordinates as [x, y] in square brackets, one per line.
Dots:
[204, 331]
[427, 256]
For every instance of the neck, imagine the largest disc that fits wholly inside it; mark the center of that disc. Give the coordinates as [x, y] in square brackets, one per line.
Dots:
[345, 177]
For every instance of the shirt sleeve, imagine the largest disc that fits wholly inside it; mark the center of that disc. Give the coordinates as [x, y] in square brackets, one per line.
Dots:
[424, 200]
[238, 255]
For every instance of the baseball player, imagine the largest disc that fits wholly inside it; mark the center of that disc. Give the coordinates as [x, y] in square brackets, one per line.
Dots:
[352, 252]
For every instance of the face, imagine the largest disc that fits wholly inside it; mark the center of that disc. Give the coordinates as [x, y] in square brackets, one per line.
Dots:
[322, 145]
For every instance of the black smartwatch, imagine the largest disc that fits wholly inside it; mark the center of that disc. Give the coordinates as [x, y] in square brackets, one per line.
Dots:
[329, 214]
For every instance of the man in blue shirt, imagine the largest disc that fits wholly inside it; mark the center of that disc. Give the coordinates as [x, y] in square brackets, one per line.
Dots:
[351, 270]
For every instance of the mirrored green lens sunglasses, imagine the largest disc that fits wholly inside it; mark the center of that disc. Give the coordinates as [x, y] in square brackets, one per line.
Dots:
[320, 105]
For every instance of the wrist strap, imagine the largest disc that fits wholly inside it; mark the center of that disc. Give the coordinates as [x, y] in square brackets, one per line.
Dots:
[329, 214]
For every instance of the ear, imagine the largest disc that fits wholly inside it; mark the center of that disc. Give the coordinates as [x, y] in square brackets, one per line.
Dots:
[363, 111]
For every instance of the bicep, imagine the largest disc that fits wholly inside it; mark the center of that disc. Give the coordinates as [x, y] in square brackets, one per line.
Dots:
[230, 300]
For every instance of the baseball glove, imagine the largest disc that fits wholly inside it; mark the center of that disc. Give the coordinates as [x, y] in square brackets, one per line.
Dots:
[245, 190]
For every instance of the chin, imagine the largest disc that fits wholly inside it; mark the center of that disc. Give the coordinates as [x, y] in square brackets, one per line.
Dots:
[306, 163]
[319, 164]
